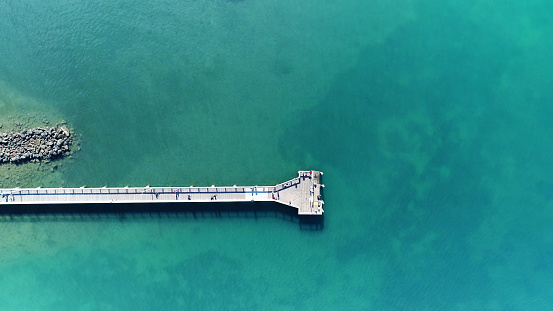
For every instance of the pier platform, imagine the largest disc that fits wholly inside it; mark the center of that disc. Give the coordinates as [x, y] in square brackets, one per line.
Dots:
[302, 193]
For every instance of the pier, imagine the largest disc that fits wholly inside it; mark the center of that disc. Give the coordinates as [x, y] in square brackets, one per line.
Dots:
[303, 194]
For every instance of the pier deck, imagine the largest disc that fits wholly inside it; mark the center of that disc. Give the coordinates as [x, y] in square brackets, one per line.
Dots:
[302, 193]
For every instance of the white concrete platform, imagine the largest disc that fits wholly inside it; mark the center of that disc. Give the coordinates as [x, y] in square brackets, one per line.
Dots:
[302, 192]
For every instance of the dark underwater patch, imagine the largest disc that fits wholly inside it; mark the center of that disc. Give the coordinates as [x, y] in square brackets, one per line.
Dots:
[443, 68]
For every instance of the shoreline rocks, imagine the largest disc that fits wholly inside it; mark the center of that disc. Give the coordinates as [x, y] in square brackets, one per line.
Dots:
[35, 144]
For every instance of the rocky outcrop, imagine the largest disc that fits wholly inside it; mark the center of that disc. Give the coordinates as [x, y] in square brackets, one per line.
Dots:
[35, 144]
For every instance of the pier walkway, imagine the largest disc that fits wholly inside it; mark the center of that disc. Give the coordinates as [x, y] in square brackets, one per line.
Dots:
[302, 193]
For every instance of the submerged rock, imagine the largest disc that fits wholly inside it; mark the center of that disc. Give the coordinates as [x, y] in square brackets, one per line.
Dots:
[40, 143]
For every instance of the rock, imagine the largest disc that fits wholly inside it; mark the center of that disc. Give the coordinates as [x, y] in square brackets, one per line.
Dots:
[34, 144]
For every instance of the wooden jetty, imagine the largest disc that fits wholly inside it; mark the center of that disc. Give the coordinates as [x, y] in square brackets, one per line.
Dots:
[302, 193]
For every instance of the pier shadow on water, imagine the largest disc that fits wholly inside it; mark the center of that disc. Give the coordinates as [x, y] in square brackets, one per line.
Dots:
[178, 210]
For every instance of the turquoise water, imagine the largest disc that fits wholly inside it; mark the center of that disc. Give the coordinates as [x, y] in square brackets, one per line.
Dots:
[430, 119]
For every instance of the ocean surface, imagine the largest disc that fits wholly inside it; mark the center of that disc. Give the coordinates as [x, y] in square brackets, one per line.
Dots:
[432, 121]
